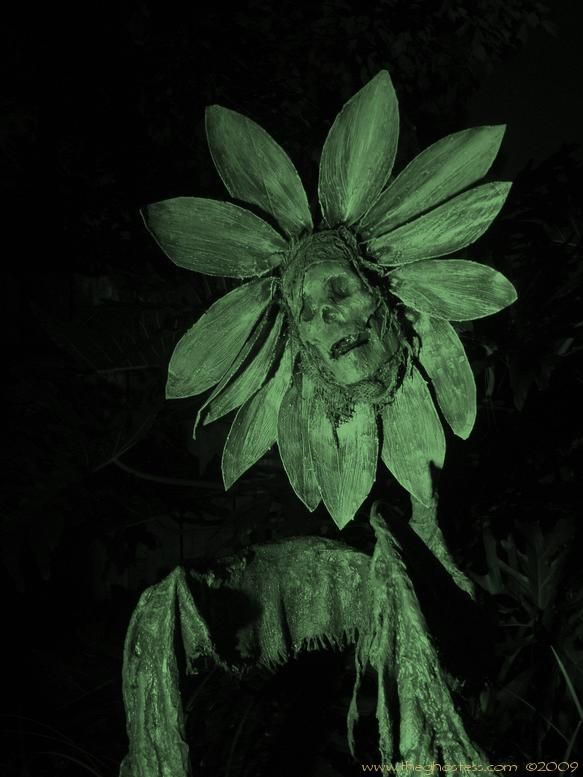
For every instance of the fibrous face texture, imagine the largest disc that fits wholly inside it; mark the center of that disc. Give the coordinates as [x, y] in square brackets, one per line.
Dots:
[339, 317]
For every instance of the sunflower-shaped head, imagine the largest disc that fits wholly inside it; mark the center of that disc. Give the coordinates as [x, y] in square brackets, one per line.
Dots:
[339, 346]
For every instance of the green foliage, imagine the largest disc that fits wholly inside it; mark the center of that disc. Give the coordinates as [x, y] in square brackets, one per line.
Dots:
[541, 235]
[345, 458]
[529, 573]
[293, 441]
[254, 430]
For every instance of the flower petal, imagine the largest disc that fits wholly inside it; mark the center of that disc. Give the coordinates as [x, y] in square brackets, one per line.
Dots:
[437, 173]
[454, 289]
[447, 228]
[444, 359]
[359, 152]
[254, 168]
[292, 440]
[345, 459]
[256, 335]
[254, 429]
[250, 379]
[207, 350]
[212, 237]
[413, 439]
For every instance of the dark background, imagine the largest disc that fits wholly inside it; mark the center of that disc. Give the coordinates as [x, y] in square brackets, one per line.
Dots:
[105, 491]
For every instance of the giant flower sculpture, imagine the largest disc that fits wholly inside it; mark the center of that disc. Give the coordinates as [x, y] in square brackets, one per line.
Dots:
[339, 346]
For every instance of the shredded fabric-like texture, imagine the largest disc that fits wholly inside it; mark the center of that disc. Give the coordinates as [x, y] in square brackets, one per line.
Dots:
[297, 594]
[416, 716]
[302, 593]
[264, 607]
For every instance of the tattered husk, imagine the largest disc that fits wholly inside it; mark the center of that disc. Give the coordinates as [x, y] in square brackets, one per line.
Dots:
[155, 722]
[301, 593]
[395, 642]
[304, 593]
[308, 591]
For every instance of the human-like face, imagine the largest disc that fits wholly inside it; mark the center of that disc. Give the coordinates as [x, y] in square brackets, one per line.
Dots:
[340, 318]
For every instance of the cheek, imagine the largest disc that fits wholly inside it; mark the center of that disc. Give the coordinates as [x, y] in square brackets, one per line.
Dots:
[320, 334]
[361, 305]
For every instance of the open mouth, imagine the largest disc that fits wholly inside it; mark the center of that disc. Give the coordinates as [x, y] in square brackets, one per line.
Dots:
[349, 343]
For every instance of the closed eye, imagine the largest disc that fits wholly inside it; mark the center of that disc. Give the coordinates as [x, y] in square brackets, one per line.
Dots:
[340, 286]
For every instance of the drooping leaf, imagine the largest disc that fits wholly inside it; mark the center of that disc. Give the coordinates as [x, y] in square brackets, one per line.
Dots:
[151, 684]
[207, 350]
[424, 523]
[255, 169]
[413, 439]
[250, 380]
[359, 152]
[453, 289]
[254, 429]
[345, 459]
[293, 443]
[444, 359]
[212, 237]
[449, 227]
[437, 173]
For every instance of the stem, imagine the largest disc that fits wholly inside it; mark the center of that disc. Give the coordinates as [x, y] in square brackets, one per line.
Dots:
[424, 524]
